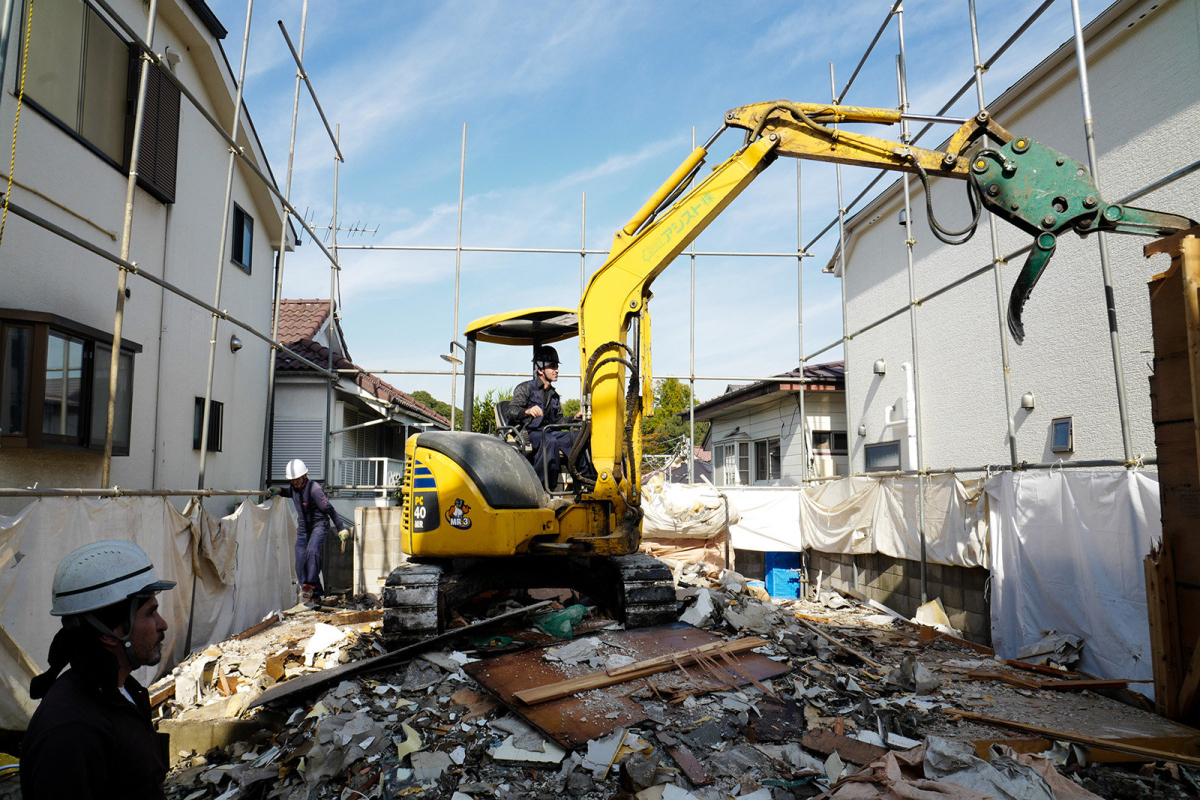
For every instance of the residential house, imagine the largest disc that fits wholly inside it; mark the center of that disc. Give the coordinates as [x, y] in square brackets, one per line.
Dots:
[351, 435]
[1143, 66]
[73, 152]
[756, 438]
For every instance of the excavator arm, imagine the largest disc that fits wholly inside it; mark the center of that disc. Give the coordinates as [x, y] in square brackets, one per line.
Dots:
[1022, 181]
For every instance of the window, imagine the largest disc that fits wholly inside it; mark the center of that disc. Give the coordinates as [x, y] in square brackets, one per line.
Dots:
[829, 443]
[54, 376]
[766, 460]
[83, 75]
[216, 416]
[243, 237]
[883, 457]
[732, 464]
[1062, 436]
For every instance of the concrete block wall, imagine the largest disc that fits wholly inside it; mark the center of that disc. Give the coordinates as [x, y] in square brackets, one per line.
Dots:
[376, 546]
[896, 583]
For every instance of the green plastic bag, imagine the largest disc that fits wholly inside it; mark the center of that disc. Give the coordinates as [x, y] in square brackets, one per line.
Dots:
[561, 624]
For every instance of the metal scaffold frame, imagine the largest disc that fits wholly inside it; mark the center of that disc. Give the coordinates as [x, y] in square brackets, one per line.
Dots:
[289, 213]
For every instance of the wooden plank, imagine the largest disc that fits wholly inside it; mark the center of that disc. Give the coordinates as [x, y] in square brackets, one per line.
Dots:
[1041, 669]
[1148, 753]
[1005, 677]
[260, 627]
[690, 765]
[639, 669]
[1164, 637]
[1080, 685]
[1191, 681]
[574, 720]
[827, 742]
[317, 680]
[359, 617]
[162, 694]
[18, 653]
[870, 662]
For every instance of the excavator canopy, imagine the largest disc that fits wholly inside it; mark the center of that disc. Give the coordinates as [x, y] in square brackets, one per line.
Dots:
[529, 326]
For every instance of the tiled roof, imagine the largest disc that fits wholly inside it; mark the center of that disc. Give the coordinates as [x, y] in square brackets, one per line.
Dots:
[299, 321]
[828, 376]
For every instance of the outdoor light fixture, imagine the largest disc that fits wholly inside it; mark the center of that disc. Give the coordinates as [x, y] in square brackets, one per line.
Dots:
[235, 344]
[450, 358]
[1027, 401]
[903, 218]
[862, 430]
[881, 367]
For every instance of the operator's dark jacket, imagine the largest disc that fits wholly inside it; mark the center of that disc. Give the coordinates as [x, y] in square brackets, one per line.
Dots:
[87, 742]
[530, 394]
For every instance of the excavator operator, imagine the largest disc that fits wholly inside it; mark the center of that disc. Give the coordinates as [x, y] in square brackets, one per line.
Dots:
[536, 406]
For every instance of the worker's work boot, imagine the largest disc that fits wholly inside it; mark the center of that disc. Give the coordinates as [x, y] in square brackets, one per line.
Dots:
[306, 591]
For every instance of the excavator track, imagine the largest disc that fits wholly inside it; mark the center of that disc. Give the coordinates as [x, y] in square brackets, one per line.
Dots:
[413, 602]
[638, 589]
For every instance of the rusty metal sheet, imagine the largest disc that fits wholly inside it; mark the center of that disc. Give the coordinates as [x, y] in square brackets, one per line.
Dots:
[572, 721]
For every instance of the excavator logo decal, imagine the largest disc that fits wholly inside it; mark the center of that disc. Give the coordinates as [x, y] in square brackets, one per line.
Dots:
[672, 231]
[425, 503]
[457, 516]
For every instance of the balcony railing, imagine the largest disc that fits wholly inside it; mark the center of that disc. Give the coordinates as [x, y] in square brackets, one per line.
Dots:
[366, 477]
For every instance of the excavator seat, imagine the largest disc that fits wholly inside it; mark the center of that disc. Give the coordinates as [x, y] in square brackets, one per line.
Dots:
[514, 435]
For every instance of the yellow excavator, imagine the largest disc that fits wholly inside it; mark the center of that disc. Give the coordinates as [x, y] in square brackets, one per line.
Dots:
[475, 514]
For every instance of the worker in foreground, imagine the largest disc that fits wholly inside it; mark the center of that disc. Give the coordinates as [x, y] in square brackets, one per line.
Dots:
[91, 736]
[314, 514]
[536, 405]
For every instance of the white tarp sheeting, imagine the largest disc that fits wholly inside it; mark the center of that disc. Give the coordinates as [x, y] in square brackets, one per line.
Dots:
[245, 574]
[866, 515]
[684, 510]
[1067, 552]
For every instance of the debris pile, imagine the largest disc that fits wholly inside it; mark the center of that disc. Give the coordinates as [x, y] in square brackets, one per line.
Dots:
[744, 697]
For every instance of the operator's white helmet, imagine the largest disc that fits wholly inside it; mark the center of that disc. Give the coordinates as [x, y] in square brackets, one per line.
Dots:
[100, 574]
[295, 469]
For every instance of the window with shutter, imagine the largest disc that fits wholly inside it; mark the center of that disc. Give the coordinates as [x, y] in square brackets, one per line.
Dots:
[158, 154]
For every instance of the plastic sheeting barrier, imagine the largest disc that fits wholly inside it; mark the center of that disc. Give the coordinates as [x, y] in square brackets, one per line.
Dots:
[1067, 552]
[684, 511]
[243, 573]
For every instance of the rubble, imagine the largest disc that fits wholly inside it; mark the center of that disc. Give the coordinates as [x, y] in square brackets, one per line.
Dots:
[835, 700]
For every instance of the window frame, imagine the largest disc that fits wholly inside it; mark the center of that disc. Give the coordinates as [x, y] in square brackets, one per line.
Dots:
[238, 246]
[160, 133]
[830, 447]
[41, 325]
[740, 463]
[1055, 425]
[773, 465]
[868, 448]
[216, 425]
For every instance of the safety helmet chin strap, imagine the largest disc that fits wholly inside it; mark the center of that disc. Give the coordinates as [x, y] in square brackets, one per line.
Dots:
[104, 629]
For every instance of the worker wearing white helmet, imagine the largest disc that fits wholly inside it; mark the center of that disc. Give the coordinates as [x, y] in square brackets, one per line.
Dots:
[314, 513]
[91, 736]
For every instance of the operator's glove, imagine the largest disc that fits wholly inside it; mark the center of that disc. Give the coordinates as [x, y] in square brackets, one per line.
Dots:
[272, 492]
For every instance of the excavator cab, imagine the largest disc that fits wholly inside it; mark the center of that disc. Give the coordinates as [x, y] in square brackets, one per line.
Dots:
[532, 328]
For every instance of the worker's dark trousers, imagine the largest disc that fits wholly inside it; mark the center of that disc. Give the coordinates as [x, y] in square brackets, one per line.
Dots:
[310, 551]
[554, 447]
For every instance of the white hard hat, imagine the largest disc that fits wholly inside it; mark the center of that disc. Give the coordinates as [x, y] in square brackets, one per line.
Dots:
[295, 469]
[100, 574]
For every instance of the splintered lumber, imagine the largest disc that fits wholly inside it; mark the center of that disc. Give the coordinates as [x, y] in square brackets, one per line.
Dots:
[274, 618]
[839, 644]
[316, 680]
[629, 672]
[1004, 677]
[1041, 669]
[827, 742]
[1149, 753]
[1096, 685]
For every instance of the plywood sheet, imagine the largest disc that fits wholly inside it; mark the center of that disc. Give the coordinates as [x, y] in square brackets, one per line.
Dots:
[572, 721]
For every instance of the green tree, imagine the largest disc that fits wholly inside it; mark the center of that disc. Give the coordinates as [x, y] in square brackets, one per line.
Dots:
[570, 408]
[664, 431]
[425, 398]
[483, 412]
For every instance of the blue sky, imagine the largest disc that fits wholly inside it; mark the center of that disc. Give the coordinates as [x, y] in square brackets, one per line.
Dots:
[566, 98]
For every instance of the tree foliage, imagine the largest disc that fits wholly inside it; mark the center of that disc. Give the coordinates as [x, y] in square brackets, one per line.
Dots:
[665, 431]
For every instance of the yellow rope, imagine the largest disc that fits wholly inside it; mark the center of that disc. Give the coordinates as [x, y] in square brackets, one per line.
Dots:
[12, 161]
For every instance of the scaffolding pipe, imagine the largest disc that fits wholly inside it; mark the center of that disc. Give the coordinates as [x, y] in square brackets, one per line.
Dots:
[133, 267]
[5, 32]
[838, 98]
[691, 454]
[114, 361]
[117, 491]
[327, 466]
[538, 250]
[913, 414]
[302, 73]
[1114, 335]
[277, 296]
[1005, 363]
[462, 170]
[805, 445]
[212, 337]
[841, 222]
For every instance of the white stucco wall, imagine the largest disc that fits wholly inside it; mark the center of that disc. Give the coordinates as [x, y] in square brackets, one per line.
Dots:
[179, 243]
[1144, 68]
